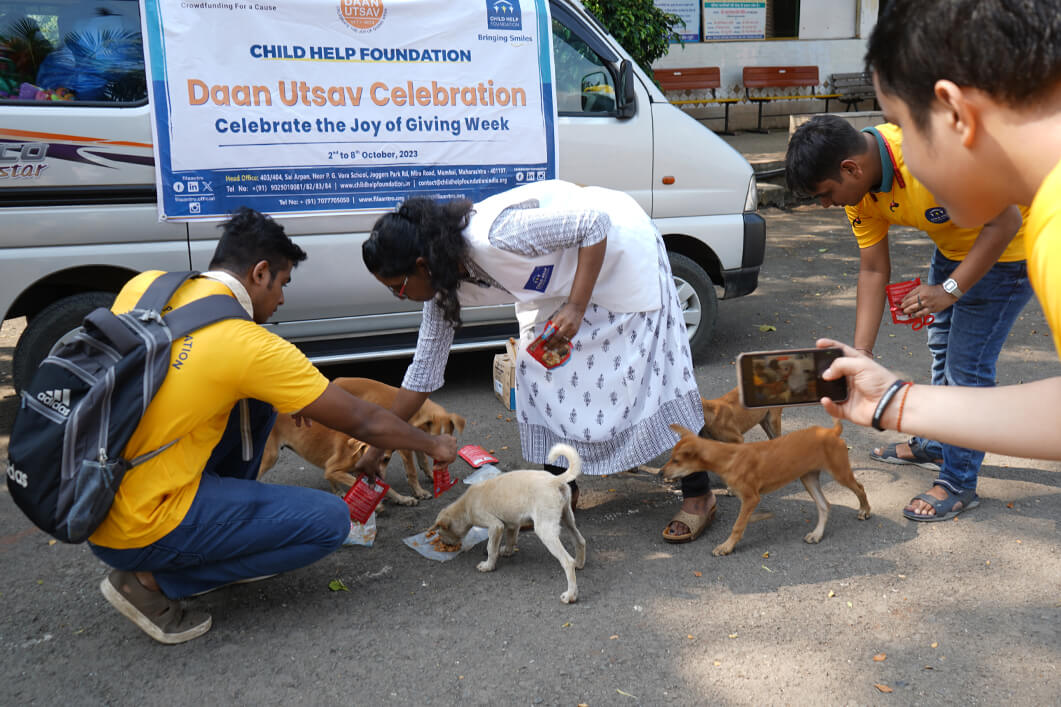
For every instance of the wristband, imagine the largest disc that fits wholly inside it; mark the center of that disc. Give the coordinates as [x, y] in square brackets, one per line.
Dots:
[884, 401]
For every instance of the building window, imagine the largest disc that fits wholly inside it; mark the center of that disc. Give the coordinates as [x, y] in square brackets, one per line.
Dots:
[782, 19]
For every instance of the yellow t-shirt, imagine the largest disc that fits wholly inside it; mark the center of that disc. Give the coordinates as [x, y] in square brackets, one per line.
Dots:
[904, 201]
[1043, 241]
[211, 370]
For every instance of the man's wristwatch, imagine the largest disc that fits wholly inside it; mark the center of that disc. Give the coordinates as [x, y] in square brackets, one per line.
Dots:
[951, 288]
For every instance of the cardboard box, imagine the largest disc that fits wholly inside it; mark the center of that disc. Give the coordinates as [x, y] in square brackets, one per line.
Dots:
[505, 376]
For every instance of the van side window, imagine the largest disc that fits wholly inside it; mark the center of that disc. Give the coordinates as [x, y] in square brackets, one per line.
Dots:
[584, 83]
[71, 52]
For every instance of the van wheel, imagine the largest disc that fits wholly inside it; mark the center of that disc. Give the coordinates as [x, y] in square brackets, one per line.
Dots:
[47, 327]
[699, 303]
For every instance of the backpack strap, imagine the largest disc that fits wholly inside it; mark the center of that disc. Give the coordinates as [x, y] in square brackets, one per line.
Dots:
[186, 319]
[113, 329]
[201, 312]
[162, 289]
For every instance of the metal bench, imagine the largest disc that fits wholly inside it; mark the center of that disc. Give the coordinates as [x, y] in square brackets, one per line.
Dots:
[852, 89]
[760, 77]
[705, 78]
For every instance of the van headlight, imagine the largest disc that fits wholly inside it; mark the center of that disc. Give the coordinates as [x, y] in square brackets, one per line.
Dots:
[751, 202]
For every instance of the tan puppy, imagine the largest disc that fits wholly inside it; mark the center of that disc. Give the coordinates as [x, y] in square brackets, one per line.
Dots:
[755, 468]
[504, 503]
[432, 418]
[726, 420]
[322, 446]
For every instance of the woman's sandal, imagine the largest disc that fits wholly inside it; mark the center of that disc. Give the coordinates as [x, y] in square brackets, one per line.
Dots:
[944, 508]
[696, 524]
[921, 458]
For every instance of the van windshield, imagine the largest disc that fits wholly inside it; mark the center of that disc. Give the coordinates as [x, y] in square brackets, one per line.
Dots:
[68, 51]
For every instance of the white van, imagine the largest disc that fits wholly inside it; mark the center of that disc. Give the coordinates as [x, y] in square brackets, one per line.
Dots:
[77, 189]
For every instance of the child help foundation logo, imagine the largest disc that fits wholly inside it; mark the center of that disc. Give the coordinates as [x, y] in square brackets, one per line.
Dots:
[503, 14]
[362, 15]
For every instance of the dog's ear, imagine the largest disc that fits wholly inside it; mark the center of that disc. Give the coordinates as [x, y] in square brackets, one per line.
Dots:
[458, 423]
[682, 431]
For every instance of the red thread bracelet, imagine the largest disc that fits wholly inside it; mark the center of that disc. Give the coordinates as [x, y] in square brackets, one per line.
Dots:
[902, 404]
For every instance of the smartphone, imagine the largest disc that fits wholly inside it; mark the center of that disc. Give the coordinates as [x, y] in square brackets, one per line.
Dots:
[784, 378]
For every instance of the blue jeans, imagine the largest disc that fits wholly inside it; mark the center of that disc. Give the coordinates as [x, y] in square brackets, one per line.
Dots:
[238, 527]
[965, 340]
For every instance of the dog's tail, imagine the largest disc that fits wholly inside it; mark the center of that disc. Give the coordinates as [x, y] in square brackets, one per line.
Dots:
[838, 428]
[574, 469]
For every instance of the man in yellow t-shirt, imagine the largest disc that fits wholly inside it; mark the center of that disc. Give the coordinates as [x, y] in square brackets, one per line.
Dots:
[194, 517]
[976, 287]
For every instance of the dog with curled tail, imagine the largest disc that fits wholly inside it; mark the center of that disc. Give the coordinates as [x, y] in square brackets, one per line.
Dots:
[504, 503]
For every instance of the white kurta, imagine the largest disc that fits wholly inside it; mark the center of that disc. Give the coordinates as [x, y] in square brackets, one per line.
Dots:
[630, 374]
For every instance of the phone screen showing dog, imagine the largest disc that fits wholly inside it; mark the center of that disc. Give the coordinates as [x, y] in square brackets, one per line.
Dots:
[783, 378]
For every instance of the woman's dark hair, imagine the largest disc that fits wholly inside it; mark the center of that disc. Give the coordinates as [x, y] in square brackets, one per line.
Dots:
[423, 228]
[1009, 49]
[816, 150]
[250, 237]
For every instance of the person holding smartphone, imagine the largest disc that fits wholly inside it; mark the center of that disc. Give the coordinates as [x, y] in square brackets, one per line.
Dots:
[976, 287]
[980, 108]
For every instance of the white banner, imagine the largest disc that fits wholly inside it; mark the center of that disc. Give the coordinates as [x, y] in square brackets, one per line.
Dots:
[333, 105]
[689, 11]
[734, 20]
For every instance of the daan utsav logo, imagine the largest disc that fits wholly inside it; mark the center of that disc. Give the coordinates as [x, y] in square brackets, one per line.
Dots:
[362, 15]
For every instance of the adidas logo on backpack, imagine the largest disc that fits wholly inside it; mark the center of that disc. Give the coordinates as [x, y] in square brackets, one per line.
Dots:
[58, 400]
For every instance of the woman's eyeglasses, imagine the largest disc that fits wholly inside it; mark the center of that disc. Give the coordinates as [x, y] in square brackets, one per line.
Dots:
[399, 292]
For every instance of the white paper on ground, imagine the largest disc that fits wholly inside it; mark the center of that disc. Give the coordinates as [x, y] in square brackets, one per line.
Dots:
[486, 471]
[362, 534]
[421, 544]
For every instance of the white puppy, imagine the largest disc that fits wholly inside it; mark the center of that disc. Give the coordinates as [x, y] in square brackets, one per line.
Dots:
[507, 501]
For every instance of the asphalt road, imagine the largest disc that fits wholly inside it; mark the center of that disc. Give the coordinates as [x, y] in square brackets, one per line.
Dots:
[883, 611]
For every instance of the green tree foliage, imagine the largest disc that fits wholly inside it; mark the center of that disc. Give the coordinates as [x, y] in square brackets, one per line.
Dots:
[643, 29]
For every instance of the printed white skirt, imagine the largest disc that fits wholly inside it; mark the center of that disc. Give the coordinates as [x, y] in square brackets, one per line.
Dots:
[629, 377]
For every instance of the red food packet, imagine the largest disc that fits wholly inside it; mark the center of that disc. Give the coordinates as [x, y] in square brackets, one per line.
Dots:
[896, 292]
[363, 497]
[475, 455]
[442, 480]
[549, 356]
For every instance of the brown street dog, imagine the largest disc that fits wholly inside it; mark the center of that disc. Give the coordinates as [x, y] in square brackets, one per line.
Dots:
[504, 503]
[432, 418]
[338, 453]
[322, 446]
[726, 420]
[754, 468]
